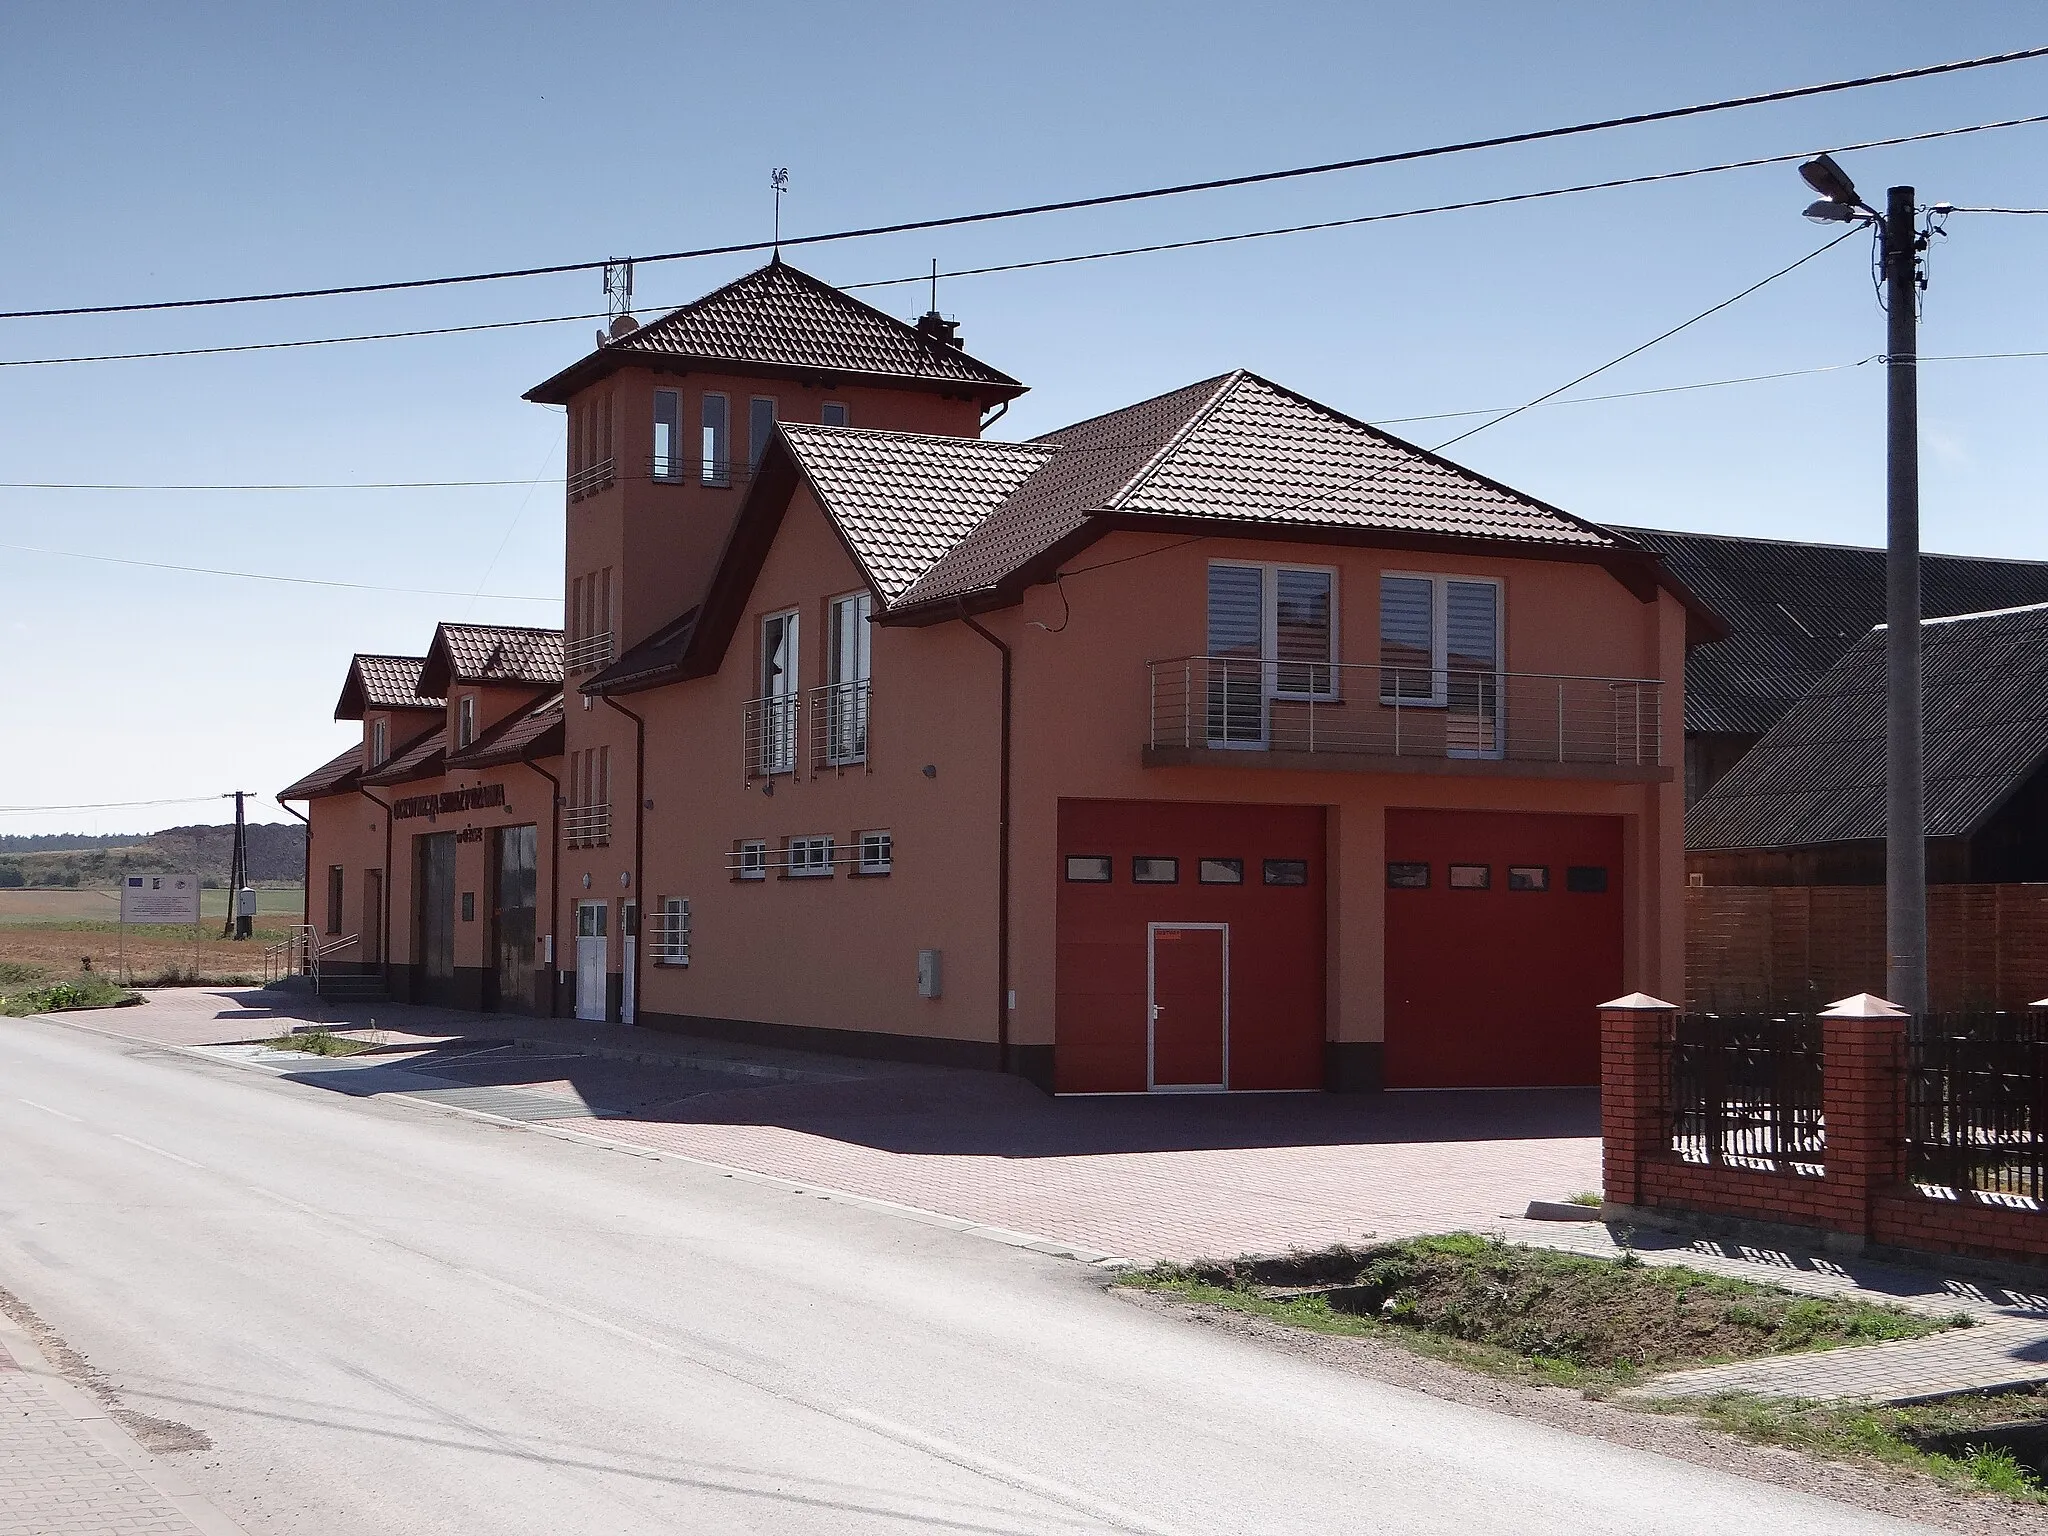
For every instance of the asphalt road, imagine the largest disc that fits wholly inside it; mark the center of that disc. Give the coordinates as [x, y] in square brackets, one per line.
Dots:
[397, 1320]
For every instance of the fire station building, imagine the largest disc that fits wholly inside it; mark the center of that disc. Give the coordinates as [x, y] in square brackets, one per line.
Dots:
[1221, 742]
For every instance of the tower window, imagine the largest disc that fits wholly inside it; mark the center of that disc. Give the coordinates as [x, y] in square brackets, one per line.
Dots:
[760, 427]
[668, 435]
[716, 441]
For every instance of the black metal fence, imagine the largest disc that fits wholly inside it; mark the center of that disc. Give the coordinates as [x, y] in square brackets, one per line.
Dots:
[1746, 1091]
[1977, 1103]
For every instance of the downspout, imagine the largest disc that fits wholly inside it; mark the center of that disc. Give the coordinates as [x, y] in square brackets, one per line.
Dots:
[639, 834]
[554, 880]
[1002, 853]
[384, 917]
[306, 877]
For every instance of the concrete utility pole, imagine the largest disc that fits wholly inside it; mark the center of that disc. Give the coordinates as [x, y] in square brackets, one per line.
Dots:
[1905, 828]
[1905, 850]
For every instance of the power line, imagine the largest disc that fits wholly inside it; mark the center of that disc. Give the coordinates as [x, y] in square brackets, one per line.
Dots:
[298, 581]
[1637, 394]
[1256, 178]
[103, 805]
[1647, 179]
[1960, 209]
[349, 485]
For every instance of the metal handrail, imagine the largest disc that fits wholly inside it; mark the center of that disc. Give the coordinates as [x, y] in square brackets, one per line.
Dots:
[839, 716]
[592, 479]
[588, 826]
[589, 653]
[1248, 703]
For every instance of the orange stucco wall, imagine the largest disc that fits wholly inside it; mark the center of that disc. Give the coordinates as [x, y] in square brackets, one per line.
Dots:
[841, 953]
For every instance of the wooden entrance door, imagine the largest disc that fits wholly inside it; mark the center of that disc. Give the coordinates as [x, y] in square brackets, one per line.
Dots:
[514, 899]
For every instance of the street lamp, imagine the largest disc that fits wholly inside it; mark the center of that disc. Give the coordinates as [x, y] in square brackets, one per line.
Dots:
[1905, 854]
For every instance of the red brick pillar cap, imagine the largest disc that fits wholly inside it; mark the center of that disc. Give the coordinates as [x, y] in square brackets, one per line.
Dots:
[1641, 1000]
[1864, 1005]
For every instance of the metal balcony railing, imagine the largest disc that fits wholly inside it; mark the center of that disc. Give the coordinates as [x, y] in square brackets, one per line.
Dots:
[679, 469]
[588, 654]
[587, 826]
[1243, 704]
[589, 481]
[769, 730]
[839, 725]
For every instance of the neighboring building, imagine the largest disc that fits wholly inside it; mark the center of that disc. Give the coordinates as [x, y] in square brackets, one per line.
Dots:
[1806, 804]
[1222, 741]
[1792, 611]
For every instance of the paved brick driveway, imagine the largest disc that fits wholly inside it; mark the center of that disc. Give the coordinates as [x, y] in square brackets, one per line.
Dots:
[1170, 1177]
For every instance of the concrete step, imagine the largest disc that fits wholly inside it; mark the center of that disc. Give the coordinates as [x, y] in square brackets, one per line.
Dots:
[368, 989]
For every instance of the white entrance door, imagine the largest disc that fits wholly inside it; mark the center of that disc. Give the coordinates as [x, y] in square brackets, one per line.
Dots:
[591, 945]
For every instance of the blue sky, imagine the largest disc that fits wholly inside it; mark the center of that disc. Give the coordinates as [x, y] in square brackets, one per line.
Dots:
[174, 151]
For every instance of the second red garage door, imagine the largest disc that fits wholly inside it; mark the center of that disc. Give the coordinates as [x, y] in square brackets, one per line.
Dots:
[1190, 947]
[1503, 938]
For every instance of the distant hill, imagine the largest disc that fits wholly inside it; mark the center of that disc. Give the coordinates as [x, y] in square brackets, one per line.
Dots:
[277, 854]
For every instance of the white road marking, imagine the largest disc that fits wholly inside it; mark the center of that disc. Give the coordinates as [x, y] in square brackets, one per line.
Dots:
[32, 1104]
[160, 1152]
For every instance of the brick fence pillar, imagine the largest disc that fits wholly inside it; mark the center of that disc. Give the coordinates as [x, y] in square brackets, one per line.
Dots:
[1863, 1099]
[1635, 1119]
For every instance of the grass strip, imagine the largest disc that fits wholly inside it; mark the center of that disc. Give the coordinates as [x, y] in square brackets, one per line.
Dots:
[319, 1042]
[61, 996]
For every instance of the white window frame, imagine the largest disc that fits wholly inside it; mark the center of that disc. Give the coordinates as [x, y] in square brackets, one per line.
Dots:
[752, 859]
[870, 861]
[1440, 634]
[1269, 627]
[845, 413]
[811, 868]
[672, 931]
[380, 741]
[465, 721]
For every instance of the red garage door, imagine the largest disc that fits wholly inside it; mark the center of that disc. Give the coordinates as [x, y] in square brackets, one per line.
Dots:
[1503, 937]
[1190, 947]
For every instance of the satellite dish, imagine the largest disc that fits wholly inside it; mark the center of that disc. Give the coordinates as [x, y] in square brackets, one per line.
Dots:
[624, 325]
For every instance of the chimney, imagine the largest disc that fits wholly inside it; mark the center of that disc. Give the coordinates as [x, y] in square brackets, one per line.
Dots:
[936, 327]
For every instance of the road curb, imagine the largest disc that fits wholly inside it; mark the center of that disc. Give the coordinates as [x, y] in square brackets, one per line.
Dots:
[75, 1403]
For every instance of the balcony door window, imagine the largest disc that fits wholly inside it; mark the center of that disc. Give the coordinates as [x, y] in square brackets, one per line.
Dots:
[1440, 647]
[668, 435]
[778, 693]
[846, 679]
[1272, 636]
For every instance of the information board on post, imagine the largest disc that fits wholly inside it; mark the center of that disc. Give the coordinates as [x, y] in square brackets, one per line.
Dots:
[160, 899]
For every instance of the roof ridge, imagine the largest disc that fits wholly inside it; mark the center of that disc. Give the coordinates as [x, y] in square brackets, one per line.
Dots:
[1225, 385]
[1859, 549]
[1981, 613]
[895, 435]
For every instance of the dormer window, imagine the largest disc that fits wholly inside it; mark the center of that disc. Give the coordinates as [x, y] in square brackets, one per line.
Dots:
[380, 741]
[465, 720]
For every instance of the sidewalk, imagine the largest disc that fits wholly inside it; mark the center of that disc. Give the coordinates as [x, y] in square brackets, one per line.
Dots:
[67, 1469]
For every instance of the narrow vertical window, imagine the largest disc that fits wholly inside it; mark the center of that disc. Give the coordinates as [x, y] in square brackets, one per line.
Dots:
[1235, 687]
[604, 777]
[846, 678]
[1408, 639]
[603, 626]
[713, 441]
[760, 427]
[603, 453]
[776, 743]
[465, 720]
[668, 435]
[334, 898]
[380, 741]
[1471, 661]
[833, 414]
[575, 609]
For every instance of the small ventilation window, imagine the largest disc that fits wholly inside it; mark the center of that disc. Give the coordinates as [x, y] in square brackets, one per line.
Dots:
[1586, 879]
[1149, 869]
[1406, 875]
[1220, 871]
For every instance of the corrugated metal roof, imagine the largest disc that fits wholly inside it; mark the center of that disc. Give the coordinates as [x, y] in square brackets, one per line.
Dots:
[1818, 774]
[526, 733]
[1794, 609]
[904, 499]
[777, 316]
[334, 777]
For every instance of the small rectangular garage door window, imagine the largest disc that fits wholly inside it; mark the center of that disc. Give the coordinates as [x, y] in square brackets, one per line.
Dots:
[1586, 879]
[1470, 877]
[1408, 877]
[1287, 871]
[1220, 871]
[1088, 868]
[1528, 877]
[1155, 871]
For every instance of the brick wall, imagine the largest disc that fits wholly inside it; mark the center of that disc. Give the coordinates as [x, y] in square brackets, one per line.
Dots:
[1753, 948]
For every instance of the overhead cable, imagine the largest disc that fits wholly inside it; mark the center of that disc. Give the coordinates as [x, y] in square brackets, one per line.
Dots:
[1102, 200]
[297, 581]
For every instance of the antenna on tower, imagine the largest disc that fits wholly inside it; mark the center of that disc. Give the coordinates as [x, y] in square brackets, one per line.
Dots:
[778, 179]
[618, 300]
[935, 285]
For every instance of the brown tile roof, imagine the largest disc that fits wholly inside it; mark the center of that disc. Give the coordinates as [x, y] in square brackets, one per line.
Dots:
[657, 657]
[492, 653]
[520, 736]
[335, 777]
[781, 318]
[420, 758]
[903, 499]
[382, 682]
[1242, 450]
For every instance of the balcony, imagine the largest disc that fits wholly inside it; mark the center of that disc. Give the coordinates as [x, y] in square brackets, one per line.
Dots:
[823, 730]
[677, 469]
[589, 481]
[587, 826]
[1233, 712]
[589, 654]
